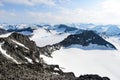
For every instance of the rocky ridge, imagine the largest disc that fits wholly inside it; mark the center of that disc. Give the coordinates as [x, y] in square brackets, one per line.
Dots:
[20, 60]
[83, 39]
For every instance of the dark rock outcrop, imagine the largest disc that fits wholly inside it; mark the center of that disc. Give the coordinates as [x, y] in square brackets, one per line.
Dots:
[20, 30]
[29, 72]
[85, 38]
[20, 47]
[25, 31]
[49, 49]
[92, 77]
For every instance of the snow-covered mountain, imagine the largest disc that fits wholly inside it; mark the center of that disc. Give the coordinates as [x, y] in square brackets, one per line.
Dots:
[109, 30]
[18, 54]
[62, 28]
[79, 48]
[53, 32]
[86, 38]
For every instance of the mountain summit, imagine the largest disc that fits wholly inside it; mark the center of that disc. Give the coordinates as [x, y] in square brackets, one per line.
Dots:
[86, 38]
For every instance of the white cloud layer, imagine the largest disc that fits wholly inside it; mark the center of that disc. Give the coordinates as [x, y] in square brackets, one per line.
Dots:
[107, 12]
[31, 2]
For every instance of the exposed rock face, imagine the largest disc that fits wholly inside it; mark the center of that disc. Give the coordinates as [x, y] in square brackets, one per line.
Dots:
[85, 38]
[48, 49]
[3, 59]
[29, 72]
[20, 60]
[92, 77]
[20, 47]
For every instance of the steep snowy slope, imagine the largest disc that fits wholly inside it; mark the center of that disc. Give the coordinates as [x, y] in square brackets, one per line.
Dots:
[114, 40]
[5, 35]
[43, 37]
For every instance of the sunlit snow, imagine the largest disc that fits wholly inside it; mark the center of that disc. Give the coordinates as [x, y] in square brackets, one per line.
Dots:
[83, 60]
[101, 62]
[20, 44]
[5, 35]
[43, 38]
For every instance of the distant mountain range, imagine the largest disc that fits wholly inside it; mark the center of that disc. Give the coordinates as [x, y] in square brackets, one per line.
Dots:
[109, 30]
[79, 33]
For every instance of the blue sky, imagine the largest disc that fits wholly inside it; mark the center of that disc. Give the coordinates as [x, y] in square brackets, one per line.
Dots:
[60, 11]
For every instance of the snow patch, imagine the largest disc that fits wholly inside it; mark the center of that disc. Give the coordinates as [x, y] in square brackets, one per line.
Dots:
[40, 32]
[1, 26]
[7, 55]
[43, 38]
[20, 44]
[5, 35]
[29, 60]
[113, 40]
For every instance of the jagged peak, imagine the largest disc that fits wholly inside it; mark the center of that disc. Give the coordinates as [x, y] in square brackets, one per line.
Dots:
[19, 37]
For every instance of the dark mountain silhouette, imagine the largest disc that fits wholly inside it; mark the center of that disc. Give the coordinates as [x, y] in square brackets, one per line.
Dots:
[85, 38]
[20, 30]
[65, 28]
